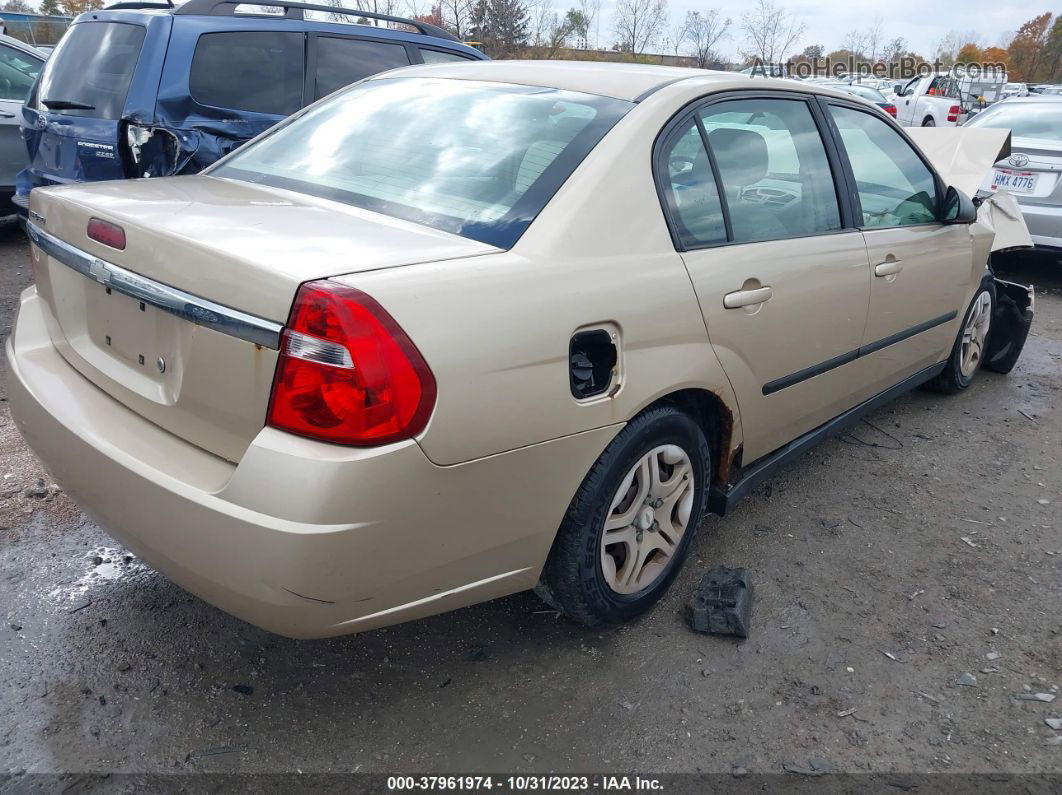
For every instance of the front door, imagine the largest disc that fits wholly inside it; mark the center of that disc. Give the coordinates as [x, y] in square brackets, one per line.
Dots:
[783, 286]
[920, 267]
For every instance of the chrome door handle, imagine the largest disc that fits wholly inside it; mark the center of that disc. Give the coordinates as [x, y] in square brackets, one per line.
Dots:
[740, 298]
[889, 267]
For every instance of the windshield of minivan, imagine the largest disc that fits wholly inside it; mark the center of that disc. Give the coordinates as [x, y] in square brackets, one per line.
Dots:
[477, 159]
[89, 72]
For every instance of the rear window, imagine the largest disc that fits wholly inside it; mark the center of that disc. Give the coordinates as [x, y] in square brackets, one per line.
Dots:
[91, 67]
[438, 56]
[342, 61]
[1023, 119]
[257, 71]
[477, 159]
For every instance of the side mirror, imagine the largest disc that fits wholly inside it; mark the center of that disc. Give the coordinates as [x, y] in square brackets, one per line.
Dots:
[958, 207]
[897, 88]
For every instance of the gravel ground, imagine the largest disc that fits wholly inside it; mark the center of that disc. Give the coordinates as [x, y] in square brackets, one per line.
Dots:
[919, 551]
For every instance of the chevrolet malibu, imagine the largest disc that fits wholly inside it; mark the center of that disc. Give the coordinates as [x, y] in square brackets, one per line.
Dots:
[464, 330]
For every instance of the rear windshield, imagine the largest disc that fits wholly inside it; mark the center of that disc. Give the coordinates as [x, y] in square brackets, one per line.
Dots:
[1024, 119]
[477, 159]
[91, 67]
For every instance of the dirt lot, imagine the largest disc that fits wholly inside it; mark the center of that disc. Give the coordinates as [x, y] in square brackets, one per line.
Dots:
[892, 562]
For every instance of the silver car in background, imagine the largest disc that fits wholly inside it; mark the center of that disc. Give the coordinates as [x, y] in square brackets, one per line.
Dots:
[19, 66]
[1033, 170]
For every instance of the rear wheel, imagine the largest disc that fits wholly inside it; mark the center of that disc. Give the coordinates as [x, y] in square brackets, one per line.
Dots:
[968, 352]
[928, 122]
[632, 521]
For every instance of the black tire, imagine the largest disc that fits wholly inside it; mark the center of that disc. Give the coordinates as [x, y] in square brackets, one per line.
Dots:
[572, 580]
[928, 122]
[951, 381]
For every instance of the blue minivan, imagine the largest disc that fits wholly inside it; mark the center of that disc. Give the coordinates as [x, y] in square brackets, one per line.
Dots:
[144, 90]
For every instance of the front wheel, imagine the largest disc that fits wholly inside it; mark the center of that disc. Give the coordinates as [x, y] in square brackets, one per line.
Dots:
[632, 521]
[968, 352]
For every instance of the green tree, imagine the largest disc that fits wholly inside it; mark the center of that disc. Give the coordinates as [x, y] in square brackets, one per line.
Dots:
[501, 26]
[50, 8]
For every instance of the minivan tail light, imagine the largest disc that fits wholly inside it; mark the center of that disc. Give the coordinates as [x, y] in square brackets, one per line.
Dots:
[107, 233]
[890, 109]
[347, 372]
[953, 113]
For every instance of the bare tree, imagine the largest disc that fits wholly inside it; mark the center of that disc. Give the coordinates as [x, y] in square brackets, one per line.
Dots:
[703, 32]
[543, 20]
[874, 42]
[948, 46]
[456, 15]
[638, 23]
[855, 42]
[894, 49]
[591, 11]
[676, 36]
[770, 32]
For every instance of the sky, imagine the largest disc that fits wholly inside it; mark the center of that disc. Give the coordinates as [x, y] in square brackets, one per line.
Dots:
[922, 22]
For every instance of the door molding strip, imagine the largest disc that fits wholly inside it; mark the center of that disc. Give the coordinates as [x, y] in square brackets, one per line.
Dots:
[864, 350]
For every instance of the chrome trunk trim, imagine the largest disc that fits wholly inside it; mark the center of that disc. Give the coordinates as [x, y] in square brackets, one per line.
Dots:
[192, 308]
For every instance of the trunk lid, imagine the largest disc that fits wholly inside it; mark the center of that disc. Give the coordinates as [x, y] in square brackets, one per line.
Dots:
[217, 252]
[1039, 161]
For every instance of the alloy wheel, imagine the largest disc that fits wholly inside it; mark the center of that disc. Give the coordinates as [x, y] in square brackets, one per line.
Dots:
[975, 334]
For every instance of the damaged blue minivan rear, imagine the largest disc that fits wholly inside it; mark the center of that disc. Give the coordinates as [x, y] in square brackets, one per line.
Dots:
[145, 90]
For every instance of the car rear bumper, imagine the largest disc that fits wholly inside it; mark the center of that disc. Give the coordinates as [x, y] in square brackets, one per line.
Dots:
[1045, 224]
[301, 538]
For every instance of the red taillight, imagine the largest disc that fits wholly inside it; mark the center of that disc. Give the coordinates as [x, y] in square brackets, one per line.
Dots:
[107, 233]
[347, 372]
[890, 109]
[953, 113]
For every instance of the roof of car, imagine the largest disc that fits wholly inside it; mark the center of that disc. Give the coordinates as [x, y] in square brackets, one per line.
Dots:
[1031, 98]
[18, 44]
[627, 81]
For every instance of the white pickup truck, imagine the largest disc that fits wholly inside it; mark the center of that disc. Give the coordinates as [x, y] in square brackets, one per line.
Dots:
[929, 101]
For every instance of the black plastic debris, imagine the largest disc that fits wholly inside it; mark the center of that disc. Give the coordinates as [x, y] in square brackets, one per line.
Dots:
[1011, 321]
[722, 603]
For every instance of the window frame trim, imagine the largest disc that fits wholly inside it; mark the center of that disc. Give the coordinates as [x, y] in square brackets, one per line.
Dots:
[839, 176]
[309, 95]
[857, 206]
[434, 48]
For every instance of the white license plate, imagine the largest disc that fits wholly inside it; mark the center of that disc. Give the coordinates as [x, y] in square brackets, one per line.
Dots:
[1014, 181]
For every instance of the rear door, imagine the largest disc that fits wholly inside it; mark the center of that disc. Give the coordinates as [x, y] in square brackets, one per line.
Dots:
[221, 88]
[72, 123]
[921, 268]
[782, 279]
